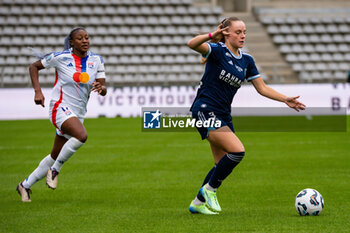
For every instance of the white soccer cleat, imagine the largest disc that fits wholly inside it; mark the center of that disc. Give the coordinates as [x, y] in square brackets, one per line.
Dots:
[51, 178]
[24, 193]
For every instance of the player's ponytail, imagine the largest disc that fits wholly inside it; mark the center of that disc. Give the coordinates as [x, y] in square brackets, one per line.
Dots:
[67, 44]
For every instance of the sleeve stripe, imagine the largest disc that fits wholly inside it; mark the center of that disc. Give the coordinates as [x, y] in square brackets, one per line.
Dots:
[253, 77]
[209, 51]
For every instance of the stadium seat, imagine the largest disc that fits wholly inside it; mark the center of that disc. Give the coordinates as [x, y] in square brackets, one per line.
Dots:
[302, 39]
[273, 29]
[344, 28]
[326, 75]
[340, 75]
[315, 57]
[309, 48]
[298, 67]
[338, 38]
[303, 57]
[291, 38]
[296, 29]
[279, 39]
[309, 67]
[338, 57]
[326, 57]
[347, 57]
[285, 48]
[332, 48]
[285, 29]
[333, 66]
[344, 66]
[297, 48]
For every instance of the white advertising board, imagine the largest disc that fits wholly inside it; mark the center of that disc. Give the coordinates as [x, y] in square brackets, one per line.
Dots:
[18, 103]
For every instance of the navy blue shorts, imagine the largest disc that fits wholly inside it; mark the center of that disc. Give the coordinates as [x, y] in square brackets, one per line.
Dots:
[200, 113]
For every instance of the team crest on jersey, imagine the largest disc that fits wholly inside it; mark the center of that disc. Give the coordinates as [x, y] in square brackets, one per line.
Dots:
[90, 65]
[239, 68]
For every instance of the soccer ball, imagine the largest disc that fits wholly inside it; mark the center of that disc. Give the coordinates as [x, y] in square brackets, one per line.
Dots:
[309, 202]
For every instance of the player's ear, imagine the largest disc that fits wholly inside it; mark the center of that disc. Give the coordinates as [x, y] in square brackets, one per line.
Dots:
[225, 32]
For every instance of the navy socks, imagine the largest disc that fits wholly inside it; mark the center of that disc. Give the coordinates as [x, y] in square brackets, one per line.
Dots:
[220, 171]
[225, 167]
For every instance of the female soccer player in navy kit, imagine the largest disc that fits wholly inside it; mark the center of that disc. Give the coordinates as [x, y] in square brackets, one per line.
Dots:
[226, 68]
[78, 72]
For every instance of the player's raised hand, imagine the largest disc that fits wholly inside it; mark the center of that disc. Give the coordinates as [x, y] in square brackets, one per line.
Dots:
[292, 102]
[219, 33]
[39, 98]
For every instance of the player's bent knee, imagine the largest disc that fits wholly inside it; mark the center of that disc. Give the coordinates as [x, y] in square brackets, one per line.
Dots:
[82, 138]
[236, 156]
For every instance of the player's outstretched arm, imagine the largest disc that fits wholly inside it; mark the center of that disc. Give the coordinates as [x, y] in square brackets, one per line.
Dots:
[268, 92]
[34, 76]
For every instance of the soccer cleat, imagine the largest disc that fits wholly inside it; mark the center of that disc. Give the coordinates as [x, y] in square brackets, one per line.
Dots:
[51, 178]
[24, 193]
[210, 199]
[200, 209]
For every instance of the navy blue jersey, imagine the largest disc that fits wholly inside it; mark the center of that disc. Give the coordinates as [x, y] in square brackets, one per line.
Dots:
[224, 74]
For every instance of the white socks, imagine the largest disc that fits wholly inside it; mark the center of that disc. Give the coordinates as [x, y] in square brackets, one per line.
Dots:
[39, 172]
[69, 148]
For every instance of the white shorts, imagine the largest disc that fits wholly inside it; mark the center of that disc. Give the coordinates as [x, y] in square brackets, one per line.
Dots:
[59, 113]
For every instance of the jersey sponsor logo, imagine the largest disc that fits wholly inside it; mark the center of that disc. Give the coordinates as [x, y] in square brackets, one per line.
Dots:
[70, 64]
[100, 71]
[230, 79]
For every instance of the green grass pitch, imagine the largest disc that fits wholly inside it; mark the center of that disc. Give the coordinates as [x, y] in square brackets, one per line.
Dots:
[126, 180]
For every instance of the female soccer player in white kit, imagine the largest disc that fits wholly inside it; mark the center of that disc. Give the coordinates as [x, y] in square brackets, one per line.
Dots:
[78, 72]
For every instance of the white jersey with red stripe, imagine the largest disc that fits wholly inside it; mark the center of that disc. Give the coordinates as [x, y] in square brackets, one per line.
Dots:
[74, 78]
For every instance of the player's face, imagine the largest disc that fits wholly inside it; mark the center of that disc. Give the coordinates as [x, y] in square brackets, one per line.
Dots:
[81, 41]
[237, 33]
